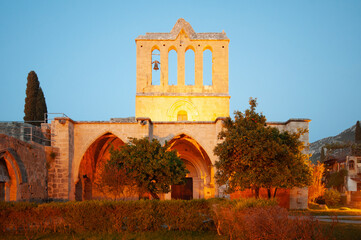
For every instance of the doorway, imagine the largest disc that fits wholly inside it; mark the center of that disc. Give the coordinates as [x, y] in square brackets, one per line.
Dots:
[183, 191]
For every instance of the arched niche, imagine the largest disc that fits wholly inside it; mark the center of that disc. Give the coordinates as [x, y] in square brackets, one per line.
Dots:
[185, 106]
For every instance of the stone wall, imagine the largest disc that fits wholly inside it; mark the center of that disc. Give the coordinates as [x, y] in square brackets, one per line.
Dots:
[28, 163]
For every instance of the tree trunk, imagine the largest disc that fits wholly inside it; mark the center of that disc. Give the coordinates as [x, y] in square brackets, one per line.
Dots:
[269, 193]
[154, 195]
[274, 193]
[256, 191]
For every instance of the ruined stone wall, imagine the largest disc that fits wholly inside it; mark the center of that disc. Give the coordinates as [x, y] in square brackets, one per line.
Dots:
[28, 162]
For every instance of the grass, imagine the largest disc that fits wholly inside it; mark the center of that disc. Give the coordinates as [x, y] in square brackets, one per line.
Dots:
[339, 231]
[343, 231]
[160, 235]
[329, 212]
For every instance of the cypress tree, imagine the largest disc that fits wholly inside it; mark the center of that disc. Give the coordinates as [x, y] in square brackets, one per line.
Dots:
[35, 105]
[41, 108]
[32, 89]
[358, 133]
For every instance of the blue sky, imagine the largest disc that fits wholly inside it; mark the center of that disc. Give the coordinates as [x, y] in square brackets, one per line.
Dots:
[301, 59]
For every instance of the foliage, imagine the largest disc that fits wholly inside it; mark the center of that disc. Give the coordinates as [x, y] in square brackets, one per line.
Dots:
[336, 179]
[322, 157]
[116, 216]
[270, 222]
[332, 197]
[150, 165]
[32, 89]
[358, 133]
[41, 108]
[35, 105]
[317, 187]
[337, 145]
[253, 155]
[356, 149]
[113, 181]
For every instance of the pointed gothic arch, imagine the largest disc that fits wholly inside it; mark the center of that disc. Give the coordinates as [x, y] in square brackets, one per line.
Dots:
[90, 165]
[12, 174]
[197, 162]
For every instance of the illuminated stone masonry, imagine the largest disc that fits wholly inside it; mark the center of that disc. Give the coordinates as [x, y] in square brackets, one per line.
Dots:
[188, 116]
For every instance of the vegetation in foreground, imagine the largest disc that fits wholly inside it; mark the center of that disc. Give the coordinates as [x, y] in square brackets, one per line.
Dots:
[232, 219]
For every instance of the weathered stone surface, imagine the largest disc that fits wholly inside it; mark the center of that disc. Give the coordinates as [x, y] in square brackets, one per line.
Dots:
[27, 161]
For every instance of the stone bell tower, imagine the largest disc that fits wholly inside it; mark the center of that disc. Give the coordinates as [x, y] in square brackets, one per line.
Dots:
[171, 98]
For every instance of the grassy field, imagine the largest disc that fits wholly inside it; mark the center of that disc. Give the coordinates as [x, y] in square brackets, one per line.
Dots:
[330, 212]
[343, 231]
[124, 236]
[339, 231]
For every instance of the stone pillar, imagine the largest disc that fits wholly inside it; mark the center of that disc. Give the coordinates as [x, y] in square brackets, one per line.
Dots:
[198, 62]
[181, 64]
[163, 67]
[299, 198]
[60, 176]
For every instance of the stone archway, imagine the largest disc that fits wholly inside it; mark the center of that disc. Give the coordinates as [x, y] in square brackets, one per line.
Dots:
[197, 163]
[10, 177]
[91, 164]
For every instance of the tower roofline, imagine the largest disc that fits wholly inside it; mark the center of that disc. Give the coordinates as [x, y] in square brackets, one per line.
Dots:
[180, 25]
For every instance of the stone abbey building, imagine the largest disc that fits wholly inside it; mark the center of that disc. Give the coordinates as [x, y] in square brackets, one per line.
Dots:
[188, 114]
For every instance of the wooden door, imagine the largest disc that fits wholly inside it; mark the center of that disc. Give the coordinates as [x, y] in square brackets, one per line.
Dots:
[183, 191]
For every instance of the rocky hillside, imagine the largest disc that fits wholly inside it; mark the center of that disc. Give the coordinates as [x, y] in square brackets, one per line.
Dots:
[346, 136]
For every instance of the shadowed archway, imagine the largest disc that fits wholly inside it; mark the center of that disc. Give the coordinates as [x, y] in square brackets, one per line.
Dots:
[12, 174]
[199, 180]
[90, 166]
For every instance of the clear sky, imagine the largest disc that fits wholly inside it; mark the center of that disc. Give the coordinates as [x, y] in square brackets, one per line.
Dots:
[301, 59]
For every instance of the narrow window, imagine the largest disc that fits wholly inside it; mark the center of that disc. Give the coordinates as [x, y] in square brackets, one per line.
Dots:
[182, 116]
[155, 67]
[207, 67]
[172, 67]
[189, 67]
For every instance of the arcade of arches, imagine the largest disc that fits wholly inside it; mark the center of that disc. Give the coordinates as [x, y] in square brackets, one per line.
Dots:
[186, 111]
[196, 160]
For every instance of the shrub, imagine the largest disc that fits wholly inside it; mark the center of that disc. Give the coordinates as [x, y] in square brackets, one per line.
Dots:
[332, 197]
[270, 222]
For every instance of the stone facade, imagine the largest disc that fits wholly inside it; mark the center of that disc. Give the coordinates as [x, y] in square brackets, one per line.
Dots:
[189, 117]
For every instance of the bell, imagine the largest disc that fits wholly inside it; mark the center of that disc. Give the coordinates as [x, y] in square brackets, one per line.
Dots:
[156, 67]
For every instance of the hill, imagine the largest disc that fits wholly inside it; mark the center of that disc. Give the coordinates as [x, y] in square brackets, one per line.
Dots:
[344, 137]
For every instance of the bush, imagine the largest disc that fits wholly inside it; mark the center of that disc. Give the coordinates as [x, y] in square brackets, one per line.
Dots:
[269, 222]
[332, 197]
[237, 219]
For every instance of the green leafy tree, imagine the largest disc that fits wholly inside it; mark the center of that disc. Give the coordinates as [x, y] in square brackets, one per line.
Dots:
[113, 181]
[253, 155]
[150, 165]
[35, 105]
[336, 179]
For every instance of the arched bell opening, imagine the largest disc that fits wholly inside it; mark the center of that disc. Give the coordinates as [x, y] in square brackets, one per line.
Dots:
[197, 162]
[91, 166]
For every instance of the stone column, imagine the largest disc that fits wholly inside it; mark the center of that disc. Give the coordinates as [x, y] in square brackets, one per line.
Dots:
[163, 67]
[181, 63]
[198, 62]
